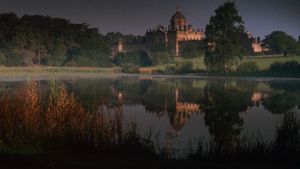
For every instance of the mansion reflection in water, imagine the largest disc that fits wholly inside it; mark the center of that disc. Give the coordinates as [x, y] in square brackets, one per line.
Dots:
[178, 112]
[220, 101]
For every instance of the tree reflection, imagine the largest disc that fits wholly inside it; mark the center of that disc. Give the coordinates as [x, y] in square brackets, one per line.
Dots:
[222, 104]
[285, 96]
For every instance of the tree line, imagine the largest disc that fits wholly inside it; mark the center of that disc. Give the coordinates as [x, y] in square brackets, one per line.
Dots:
[42, 40]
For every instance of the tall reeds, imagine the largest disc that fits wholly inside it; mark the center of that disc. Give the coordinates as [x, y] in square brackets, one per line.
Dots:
[28, 121]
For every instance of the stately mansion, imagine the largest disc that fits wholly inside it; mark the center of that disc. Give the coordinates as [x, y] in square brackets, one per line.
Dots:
[175, 37]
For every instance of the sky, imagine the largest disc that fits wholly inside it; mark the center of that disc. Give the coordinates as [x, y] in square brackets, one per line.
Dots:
[136, 16]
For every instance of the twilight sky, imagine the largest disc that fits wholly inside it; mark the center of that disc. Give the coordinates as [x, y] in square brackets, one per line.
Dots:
[135, 16]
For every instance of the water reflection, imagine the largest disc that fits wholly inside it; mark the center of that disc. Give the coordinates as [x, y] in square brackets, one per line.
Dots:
[221, 102]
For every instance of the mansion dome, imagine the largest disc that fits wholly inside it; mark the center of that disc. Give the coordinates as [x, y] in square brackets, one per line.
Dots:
[178, 21]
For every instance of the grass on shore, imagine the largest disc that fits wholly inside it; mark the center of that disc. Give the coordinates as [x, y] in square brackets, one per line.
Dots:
[49, 69]
[263, 62]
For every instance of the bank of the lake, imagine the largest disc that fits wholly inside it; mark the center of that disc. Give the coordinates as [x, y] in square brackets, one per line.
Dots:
[62, 69]
[40, 71]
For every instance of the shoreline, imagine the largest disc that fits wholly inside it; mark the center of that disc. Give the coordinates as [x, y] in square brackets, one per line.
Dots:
[46, 73]
[74, 76]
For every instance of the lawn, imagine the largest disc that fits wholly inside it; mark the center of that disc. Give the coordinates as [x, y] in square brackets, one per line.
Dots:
[265, 61]
[49, 69]
[262, 61]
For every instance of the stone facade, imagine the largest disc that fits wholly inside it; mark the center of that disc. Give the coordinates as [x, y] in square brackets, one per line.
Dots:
[257, 44]
[171, 38]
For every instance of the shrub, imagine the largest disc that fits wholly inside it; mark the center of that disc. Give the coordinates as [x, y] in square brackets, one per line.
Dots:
[291, 67]
[193, 50]
[248, 67]
[140, 58]
[158, 71]
[130, 68]
[2, 59]
[298, 50]
[170, 69]
[161, 58]
[71, 63]
[184, 67]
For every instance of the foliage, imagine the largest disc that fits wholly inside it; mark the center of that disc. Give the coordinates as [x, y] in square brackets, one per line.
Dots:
[192, 51]
[287, 142]
[34, 124]
[170, 69]
[282, 102]
[184, 67]
[280, 43]
[298, 49]
[248, 67]
[43, 40]
[290, 67]
[180, 67]
[130, 68]
[159, 58]
[139, 58]
[224, 35]
[113, 37]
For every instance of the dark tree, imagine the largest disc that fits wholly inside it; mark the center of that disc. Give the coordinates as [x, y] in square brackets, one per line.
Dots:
[281, 43]
[225, 36]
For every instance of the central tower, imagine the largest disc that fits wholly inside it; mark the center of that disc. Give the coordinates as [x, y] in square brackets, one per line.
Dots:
[177, 37]
[178, 21]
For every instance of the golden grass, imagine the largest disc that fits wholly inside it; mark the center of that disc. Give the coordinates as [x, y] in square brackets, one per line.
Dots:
[26, 119]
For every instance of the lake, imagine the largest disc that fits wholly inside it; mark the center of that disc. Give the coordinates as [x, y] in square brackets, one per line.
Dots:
[180, 110]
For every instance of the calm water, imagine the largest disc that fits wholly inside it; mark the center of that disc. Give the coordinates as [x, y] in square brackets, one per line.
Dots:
[181, 110]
